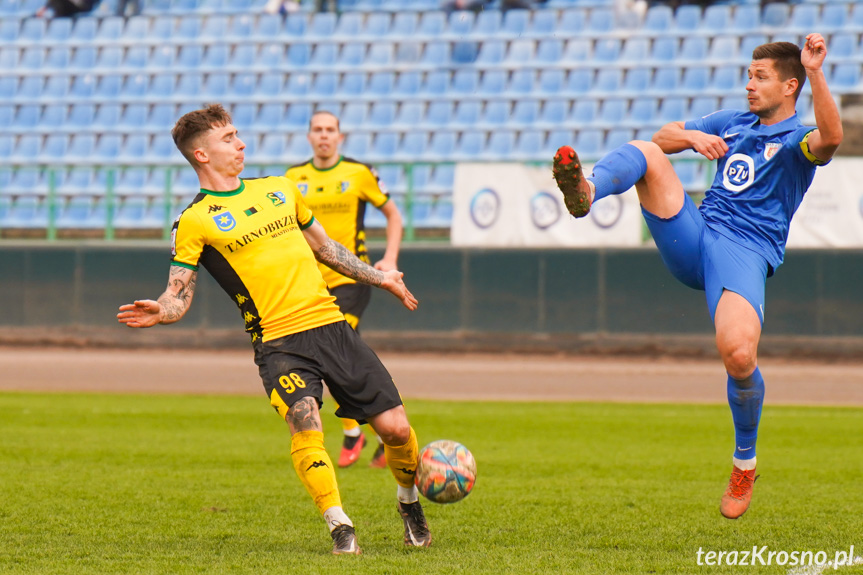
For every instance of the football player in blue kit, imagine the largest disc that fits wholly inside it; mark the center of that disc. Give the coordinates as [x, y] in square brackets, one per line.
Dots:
[728, 247]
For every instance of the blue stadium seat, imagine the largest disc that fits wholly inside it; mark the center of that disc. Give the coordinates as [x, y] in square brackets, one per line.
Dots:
[32, 58]
[108, 147]
[467, 114]
[56, 88]
[244, 115]
[189, 27]
[217, 85]
[500, 145]
[746, 17]
[436, 54]
[833, 17]
[270, 116]
[112, 29]
[465, 82]
[7, 114]
[353, 54]
[530, 145]
[382, 114]
[672, 109]
[377, 25]
[461, 23]
[637, 80]
[635, 50]
[325, 84]
[298, 84]
[554, 112]
[9, 57]
[134, 148]
[443, 177]
[702, 106]
[323, 24]
[521, 51]
[525, 112]
[665, 48]
[550, 81]
[405, 24]
[31, 87]
[585, 111]
[162, 117]
[578, 50]
[687, 18]
[749, 42]
[414, 146]
[55, 147]
[357, 145]
[138, 57]
[493, 82]
[544, 22]
[162, 148]
[353, 84]
[163, 28]
[470, 145]
[644, 110]
[386, 145]
[32, 31]
[191, 56]
[244, 85]
[58, 57]
[613, 111]
[408, 83]
[775, 15]
[726, 78]
[349, 24]
[609, 80]
[693, 48]
[324, 55]
[408, 52]
[298, 116]
[658, 19]
[488, 23]
[515, 22]
[716, 18]
[724, 49]
[432, 24]
[804, 17]
[846, 75]
[607, 50]
[666, 80]
[601, 20]
[27, 117]
[442, 145]
[410, 114]
[549, 51]
[162, 86]
[579, 81]
[439, 113]
[491, 52]
[10, 29]
[843, 45]
[82, 146]
[272, 148]
[299, 55]
[696, 78]
[8, 87]
[496, 112]
[616, 138]
[522, 81]
[241, 26]
[354, 114]
[589, 143]
[27, 212]
[189, 85]
[381, 83]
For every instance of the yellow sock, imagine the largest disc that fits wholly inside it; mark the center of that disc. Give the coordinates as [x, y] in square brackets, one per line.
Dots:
[402, 460]
[315, 469]
[349, 424]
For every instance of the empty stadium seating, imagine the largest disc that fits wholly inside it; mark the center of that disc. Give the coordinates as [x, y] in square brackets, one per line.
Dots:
[410, 83]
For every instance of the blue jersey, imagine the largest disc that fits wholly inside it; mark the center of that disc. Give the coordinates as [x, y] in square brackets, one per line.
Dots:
[759, 182]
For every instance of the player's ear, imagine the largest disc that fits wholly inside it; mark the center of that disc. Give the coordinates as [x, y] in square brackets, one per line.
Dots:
[791, 86]
[201, 155]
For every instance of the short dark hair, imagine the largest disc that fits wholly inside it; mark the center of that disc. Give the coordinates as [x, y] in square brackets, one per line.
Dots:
[328, 113]
[190, 127]
[786, 60]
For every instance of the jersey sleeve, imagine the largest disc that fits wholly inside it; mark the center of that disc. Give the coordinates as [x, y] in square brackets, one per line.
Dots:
[801, 137]
[373, 190]
[711, 123]
[187, 240]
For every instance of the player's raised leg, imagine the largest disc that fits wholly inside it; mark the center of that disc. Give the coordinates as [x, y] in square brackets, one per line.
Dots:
[353, 442]
[402, 452]
[738, 329]
[315, 470]
[638, 163]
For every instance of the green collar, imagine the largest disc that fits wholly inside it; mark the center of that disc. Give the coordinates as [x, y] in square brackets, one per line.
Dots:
[333, 167]
[226, 194]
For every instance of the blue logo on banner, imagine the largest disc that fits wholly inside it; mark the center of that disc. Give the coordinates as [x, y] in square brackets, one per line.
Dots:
[225, 222]
[484, 208]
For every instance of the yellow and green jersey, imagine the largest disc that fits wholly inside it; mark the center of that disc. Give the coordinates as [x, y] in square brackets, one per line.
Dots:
[251, 242]
[338, 196]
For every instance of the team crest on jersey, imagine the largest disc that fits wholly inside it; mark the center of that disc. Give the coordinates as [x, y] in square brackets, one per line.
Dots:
[771, 149]
[225, 222]
[277, 197]
[303, 188]
[345, 186]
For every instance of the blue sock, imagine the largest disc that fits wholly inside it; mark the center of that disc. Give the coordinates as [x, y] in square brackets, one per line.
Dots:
[746, 396]
[618, 171]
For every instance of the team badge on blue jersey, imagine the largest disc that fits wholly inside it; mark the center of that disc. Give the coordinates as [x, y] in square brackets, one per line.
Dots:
[303, 188]
[225, 222]
[770, 149]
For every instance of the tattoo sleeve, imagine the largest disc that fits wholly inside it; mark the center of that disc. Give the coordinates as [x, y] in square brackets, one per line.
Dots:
[178, 295]
[304, 415]
[338, 257]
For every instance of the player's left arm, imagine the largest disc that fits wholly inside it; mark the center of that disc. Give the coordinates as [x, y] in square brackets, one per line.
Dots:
[394, 237]
[823, 141]
[336, 256]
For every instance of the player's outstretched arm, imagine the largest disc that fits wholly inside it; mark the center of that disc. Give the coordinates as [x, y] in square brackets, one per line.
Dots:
[824, 141]
[673, 138]
[336, 256]
[171, 305]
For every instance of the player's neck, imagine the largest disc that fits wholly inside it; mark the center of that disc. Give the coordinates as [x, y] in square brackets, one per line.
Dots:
[218, 182]
[326, 163]
[780, 115]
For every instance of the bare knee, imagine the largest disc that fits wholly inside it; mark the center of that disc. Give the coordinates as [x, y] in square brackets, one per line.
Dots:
[740, 360]
[393, 426]
[651, 151]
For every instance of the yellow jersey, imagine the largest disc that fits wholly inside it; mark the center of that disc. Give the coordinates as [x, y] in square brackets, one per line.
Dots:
[251, 241]
[337, 197]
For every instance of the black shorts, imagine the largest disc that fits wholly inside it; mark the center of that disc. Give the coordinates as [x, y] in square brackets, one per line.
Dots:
[352, 299]
[296, 366]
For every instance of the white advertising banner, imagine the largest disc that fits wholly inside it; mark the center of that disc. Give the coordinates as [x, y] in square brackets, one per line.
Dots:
[512, 205]
[831, 215]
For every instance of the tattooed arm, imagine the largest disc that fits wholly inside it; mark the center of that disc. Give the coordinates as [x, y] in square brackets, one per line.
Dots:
[171, 305]
[336, 256]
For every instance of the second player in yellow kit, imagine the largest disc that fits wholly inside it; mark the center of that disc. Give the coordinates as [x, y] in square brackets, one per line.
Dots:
[338, 190]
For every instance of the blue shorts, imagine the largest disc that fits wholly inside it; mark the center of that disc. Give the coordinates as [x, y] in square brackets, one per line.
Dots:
[703, 259]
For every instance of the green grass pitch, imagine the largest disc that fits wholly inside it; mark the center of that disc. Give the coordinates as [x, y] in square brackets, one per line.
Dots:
[176, 484]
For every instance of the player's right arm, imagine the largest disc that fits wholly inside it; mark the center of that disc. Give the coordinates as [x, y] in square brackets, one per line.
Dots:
[674, 137]
[171, 305]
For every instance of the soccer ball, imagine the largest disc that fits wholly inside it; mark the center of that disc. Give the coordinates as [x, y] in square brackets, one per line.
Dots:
[446, 471]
